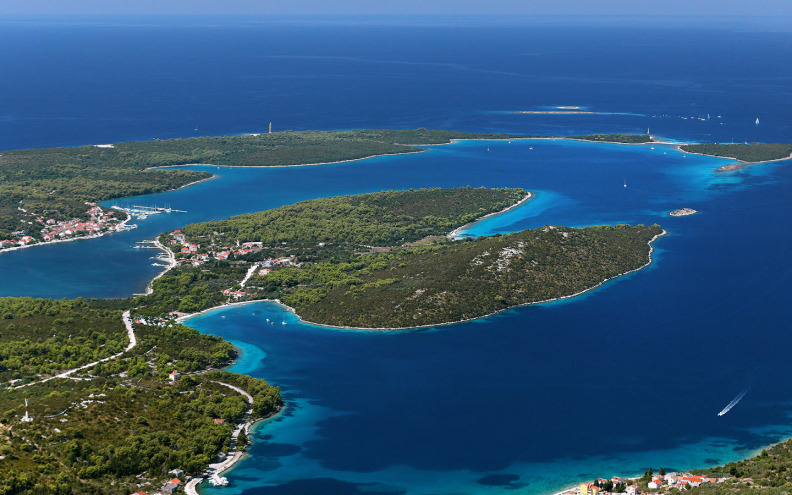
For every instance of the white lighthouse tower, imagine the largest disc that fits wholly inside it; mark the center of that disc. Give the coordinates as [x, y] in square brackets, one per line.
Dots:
[27, 418]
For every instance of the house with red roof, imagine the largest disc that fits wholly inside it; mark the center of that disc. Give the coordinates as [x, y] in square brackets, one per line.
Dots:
[588, 489]
[692, 480]
[175, 376]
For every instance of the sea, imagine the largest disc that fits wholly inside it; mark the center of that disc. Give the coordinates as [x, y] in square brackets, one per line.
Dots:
[629, 376]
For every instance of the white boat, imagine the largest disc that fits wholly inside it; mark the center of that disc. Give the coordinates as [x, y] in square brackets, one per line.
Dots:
[757, 120]
[218, 481]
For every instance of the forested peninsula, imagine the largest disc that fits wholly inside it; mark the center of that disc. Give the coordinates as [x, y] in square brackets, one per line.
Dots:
[743, 152]
[382, 260]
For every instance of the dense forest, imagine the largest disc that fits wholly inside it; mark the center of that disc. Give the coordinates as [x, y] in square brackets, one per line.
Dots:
[749, 153]
[120, 423]
[388, 218]
[334, 230]
[189, 289]
[358, 260]
[108, 435]
[459, 280]
[56, 182]
[44, 336]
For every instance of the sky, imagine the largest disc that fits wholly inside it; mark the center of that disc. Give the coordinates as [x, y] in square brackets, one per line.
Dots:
[400, 7]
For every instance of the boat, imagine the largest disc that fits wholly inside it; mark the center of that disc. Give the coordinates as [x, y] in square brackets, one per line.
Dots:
[757, 120]
[218, 481]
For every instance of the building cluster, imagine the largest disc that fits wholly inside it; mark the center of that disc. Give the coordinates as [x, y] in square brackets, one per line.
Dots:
[18, 238]
[596, 488]
[658, 482]
[192, 254]
[671, 480]
[195, 254]
[100, 221]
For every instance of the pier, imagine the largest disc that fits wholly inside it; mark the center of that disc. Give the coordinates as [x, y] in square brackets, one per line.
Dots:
[143, 212]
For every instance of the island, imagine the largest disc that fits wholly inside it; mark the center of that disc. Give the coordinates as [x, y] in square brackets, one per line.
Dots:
[682, 212]
[745, 154]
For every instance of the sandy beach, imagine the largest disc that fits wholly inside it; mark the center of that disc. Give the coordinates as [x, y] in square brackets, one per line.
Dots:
[455, 233]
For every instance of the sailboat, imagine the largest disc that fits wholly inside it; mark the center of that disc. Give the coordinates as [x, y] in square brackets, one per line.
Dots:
[757, 120]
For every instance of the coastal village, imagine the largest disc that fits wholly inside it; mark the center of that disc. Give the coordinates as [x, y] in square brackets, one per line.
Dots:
[195, 254]
[660, 482]
[49, 230]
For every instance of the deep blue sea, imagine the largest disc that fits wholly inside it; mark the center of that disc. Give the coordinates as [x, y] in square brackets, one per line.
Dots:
[625, 377]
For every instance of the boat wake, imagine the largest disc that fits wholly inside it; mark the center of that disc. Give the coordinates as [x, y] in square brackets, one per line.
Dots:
[733, 402]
